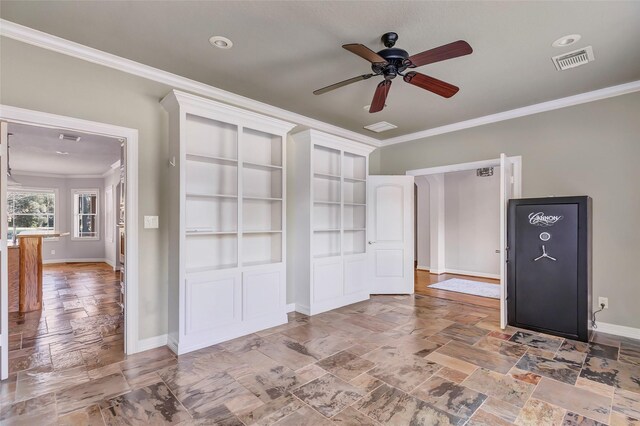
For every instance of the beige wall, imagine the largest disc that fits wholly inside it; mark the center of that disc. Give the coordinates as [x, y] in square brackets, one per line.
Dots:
[591, 149]
[41, 80]
[472, 222]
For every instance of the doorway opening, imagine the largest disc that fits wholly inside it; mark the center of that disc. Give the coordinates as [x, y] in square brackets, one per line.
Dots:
[460, 230]
[471, 237]
[69, 280]
[65, 223]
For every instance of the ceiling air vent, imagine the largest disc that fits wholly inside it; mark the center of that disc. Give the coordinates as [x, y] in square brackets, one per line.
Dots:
[67, 137]
[381, 126]
[573, 59]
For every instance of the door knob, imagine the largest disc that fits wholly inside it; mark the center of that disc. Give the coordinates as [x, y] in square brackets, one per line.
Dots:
[371, 242]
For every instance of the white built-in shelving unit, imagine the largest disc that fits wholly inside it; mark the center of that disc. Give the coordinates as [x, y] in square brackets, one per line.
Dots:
[226, 226]
[327, 243]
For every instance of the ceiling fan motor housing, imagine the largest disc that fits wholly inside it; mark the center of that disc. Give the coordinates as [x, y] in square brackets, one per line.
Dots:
[396, 58]
[396, 62]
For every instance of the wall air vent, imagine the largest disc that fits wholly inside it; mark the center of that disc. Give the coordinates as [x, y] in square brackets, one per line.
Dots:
[67, 137]
[573, 59]
[484, 172]
[381, 126]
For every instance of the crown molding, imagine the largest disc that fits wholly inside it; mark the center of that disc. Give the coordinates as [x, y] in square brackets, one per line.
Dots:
[50, 42]
[595, 95]
[57, 175]
[76, 50]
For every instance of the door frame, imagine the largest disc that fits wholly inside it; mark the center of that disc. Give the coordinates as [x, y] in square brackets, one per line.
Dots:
[127, 135]
[516, 162]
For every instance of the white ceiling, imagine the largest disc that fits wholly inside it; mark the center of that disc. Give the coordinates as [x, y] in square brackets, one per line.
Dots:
[284, 50]
[33, 150]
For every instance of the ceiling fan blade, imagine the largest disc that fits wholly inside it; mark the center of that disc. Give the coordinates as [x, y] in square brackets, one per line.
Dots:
[431, 84]
[342, 83]
[447, 51]
[380, 96]
[365, 53]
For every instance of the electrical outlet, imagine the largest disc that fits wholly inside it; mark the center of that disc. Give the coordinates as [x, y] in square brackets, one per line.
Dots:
[53, 252]
[603, 301]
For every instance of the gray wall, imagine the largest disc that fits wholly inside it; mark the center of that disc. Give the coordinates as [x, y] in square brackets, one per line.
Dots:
[423, 224]
[472, 222]
[591, 149]
[67, 248]
[41, 80]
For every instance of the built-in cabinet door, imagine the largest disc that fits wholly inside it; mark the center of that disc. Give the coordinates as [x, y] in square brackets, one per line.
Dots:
[327, 279]
[355, 275]
[212, 300]
[262, 295]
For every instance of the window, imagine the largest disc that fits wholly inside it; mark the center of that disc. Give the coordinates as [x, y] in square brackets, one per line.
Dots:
[30, 210]
[85, 214]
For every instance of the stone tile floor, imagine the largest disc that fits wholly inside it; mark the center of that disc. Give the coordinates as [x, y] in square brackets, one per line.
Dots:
[397, 360]
[80, 324]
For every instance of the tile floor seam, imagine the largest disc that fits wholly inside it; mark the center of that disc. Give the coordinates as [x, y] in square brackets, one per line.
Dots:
[175, 396]
[373, 420]
[479, 407]
[382, 383]
[304, 404]
[613, 395]
[427, 379]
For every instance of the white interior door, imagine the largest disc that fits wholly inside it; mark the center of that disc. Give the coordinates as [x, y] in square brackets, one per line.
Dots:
[4, 276]
[506, 192]
[390, 234]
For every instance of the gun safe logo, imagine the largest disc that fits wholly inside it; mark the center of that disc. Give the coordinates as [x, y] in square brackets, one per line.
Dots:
[540, 219]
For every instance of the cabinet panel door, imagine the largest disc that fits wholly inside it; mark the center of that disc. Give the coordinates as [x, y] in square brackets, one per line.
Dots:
[212, 302]
[355, 274]
[262, 291]
[327, 279]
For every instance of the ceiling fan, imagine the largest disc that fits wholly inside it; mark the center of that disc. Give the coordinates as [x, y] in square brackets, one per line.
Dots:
[392, 62]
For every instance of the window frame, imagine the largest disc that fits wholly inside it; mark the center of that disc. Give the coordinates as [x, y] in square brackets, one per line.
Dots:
[75, 214]
[56, 205]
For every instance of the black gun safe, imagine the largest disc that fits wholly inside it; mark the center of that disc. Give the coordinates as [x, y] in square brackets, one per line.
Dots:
[549, 265]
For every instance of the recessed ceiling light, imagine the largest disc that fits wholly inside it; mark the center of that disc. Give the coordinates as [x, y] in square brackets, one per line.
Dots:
[566, 40]
[221, 42]
[62, 153]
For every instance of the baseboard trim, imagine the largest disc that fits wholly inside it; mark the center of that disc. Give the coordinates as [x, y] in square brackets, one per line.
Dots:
[291, 307]
[110, 263]
[423, 268]
[152, 343]
[172, 344]
[303, 309]
[86, 260]
[618, 330]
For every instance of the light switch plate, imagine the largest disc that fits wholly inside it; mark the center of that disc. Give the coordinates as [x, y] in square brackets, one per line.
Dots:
[151, 222]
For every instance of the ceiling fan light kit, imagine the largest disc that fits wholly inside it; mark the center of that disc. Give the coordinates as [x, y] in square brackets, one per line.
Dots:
[392, 62]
